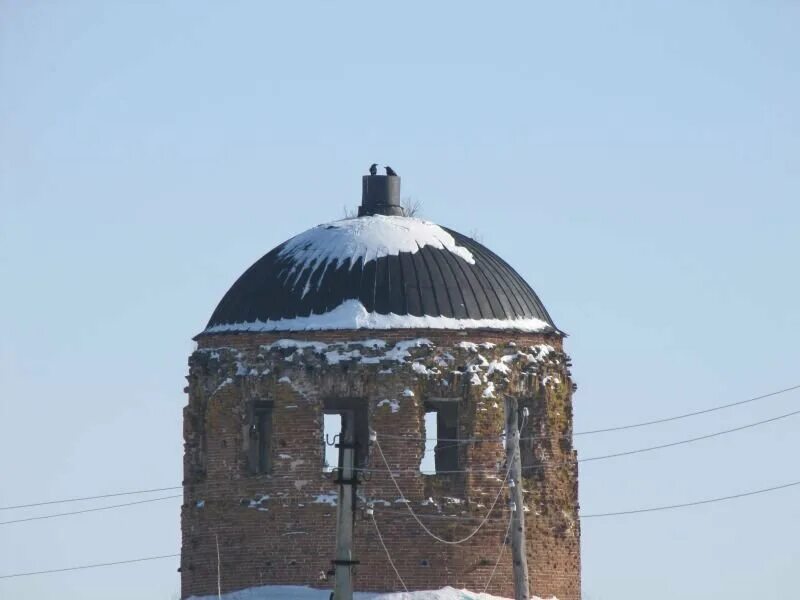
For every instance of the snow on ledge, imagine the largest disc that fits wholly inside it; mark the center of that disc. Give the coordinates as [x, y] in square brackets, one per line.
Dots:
[292, 592]
[351, 314]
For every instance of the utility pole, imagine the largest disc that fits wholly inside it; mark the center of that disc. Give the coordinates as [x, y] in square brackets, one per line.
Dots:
[346, 478]
[518, 549]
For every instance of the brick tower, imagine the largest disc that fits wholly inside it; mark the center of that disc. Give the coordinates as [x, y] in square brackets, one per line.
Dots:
[398, 323]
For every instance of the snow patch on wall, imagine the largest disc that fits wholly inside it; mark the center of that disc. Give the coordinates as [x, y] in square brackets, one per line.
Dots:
[331, 499]
[392, 404]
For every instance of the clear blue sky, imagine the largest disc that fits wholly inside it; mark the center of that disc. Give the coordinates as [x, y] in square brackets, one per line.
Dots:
[636, 162]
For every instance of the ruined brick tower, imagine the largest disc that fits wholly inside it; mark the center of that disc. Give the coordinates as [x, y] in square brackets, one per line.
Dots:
[400, 323]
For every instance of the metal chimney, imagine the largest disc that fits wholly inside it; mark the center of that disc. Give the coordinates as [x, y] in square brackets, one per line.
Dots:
[380, 195]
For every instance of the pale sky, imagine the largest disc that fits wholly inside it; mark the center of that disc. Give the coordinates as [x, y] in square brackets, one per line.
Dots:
[636, 162]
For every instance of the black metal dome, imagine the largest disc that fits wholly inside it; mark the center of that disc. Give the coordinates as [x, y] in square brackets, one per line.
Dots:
[404, 272]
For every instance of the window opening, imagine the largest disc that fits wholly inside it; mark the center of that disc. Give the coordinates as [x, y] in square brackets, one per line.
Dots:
[332, 426]
[260, 446]
[441, 433]
[428, 464]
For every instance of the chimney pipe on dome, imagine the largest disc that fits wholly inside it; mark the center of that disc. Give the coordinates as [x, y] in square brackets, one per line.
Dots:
[380, 195]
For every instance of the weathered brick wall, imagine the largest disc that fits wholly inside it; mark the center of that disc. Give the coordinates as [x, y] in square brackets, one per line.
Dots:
[279, 528]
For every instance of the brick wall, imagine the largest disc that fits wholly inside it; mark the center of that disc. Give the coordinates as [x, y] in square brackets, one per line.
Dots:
[279, 528]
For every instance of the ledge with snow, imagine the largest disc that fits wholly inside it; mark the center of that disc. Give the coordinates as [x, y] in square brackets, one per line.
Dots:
[351, 314]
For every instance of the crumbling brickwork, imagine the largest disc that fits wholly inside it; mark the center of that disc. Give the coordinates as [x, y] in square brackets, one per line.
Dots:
[278, 526]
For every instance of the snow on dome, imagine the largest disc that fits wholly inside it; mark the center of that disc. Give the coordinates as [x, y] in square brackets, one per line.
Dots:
[351, 314]
[368, 238]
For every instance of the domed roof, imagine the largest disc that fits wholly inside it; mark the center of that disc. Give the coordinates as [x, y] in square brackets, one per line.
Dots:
[380, 272]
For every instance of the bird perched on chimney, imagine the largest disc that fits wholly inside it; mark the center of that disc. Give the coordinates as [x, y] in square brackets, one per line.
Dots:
[373, 169]
[390, 171]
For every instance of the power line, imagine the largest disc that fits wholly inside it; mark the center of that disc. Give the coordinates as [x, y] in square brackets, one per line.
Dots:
[421, 524]
[690, 440]
[386, 550]
[591, 458]
[469, 440]
[94, 566]
[394, 511]
[607, 429]
[135, 492]
[695, 503]
[589, 516]
[87, 510]
[499, 554]
[689, 414]
[629, 452]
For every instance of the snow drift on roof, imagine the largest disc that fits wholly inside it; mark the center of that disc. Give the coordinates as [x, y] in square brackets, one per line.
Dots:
[351, 314]
[367, 238]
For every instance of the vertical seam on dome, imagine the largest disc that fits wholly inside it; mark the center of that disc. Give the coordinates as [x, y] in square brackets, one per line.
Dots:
[512, 296]
[457, 261]
[538, 308]
[475, 270]
[433, 287]
[526, 297]
[388, 287]
[402, 289]
[416, 277]
[439, 258]
[375, 284]
[489, 275]
[430, 280]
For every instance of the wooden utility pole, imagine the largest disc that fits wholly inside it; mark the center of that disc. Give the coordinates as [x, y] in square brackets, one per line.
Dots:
[518, 549]
[343, 564]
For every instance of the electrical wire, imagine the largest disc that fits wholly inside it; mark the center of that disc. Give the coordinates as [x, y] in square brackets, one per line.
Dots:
[616, 454]
[88, 510]
[607, 429]
[687, 415]
[421, 524]
[589, 516]
[393, 511]
[206, 484]
[497, 439]
[695, 503]
[689, 440]
[112, 495]
[108, 564]
[502, 550]
[386, 550]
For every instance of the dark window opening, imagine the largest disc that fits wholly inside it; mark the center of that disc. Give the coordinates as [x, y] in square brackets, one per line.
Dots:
[441, 433]
[259, 456]
[334, 411]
